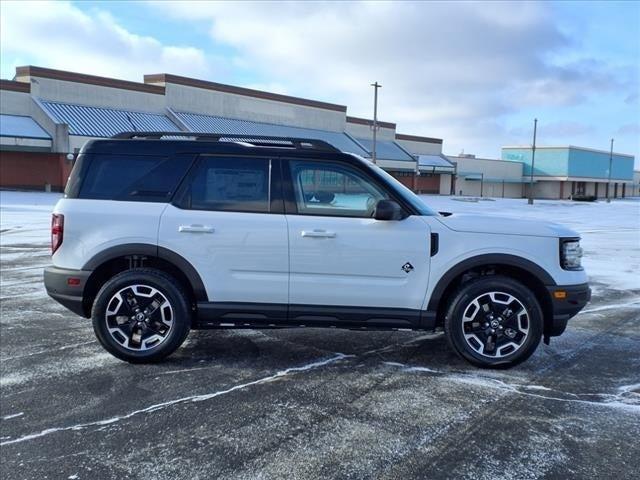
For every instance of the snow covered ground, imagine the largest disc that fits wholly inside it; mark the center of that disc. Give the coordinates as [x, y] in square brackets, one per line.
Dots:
[610, 231]
[321, 403]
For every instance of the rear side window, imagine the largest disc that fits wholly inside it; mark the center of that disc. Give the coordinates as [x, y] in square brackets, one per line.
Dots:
[230, 184]
[142, 178]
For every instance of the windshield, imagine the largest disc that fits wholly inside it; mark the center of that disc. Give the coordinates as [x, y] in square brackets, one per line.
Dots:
[407, 195]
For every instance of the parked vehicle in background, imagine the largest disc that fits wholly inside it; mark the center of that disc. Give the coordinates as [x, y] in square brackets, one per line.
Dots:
[161, 233]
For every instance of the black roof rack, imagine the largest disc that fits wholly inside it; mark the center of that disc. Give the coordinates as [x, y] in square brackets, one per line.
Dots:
[254, 140]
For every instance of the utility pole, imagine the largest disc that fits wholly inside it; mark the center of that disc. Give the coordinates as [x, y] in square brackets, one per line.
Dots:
[610, 166]
[533, 160]
[375, 86]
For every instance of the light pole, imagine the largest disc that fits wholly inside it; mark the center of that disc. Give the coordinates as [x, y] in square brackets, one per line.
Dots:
[375, 86]
[609, 179]
[533, 160]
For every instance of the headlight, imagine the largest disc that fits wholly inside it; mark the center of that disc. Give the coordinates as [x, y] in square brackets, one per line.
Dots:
[570, 254]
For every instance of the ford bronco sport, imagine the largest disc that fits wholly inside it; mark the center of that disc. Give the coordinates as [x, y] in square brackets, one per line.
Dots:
[160, 233]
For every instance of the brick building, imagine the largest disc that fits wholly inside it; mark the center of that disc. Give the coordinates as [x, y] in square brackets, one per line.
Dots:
[46, 114]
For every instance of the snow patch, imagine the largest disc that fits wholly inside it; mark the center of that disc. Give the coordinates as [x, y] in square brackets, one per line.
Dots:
[192, 398]
[13, 415]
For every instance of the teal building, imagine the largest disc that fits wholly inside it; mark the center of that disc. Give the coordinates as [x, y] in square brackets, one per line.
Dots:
[561, 172]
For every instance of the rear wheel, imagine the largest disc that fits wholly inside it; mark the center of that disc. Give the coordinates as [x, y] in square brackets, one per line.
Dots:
[141, 315]
[494, 322]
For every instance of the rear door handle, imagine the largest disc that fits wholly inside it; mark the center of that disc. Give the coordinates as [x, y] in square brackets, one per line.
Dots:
[195, 229]
[318, 234]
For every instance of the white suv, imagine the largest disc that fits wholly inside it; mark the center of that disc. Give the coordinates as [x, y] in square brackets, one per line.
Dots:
[158, 234]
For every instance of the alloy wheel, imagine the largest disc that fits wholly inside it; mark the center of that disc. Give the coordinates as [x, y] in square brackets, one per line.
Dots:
[139, 317]
[495, 324]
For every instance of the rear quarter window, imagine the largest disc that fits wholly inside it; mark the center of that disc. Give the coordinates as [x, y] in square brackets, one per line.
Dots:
[142, 178]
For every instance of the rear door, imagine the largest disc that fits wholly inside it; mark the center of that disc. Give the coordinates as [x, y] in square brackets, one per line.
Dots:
[339, 254]
[228, 222]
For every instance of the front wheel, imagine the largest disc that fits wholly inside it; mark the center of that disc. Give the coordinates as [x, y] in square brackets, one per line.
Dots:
[141, 315]
[494, 322]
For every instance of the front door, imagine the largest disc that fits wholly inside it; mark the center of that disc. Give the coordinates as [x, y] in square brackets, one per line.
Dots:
[339, 255]
[226, 223]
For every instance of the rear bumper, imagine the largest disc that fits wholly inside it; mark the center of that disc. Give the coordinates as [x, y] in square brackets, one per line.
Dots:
[56, 281]
[576, 297]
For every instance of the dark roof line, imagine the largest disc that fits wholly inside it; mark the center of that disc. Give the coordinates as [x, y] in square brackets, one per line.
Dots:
[416, 138]
[248, 92]
[366, 121]
[15, 86]
[30, 70]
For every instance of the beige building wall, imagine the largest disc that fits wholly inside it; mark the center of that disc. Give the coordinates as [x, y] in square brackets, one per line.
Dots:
[365, 131]
[420, 147]
[95, 95]
[550, 189]
[445, 184]
[493, 172]
[184, 98]
[635, 188]
[15, 103]
[22, 103]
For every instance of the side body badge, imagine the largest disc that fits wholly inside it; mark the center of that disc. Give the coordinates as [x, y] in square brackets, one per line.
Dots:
[407, 267]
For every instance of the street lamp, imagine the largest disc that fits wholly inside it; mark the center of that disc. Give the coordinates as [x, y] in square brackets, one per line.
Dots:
[533, 160]
[610, 166]
[375, 86]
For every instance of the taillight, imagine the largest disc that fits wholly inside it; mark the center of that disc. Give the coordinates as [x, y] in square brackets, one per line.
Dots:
[57, 231]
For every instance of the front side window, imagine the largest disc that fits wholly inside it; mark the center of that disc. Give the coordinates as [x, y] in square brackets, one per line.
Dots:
[325, 188]
[229, 184]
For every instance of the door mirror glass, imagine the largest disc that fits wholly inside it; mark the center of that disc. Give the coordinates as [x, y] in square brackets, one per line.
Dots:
[388, 210]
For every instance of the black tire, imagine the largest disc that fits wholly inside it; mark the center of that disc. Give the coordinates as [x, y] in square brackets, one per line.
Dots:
[126, 286]
[493, 340]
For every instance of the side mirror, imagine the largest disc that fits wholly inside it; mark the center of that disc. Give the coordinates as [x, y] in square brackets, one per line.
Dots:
[388, 210]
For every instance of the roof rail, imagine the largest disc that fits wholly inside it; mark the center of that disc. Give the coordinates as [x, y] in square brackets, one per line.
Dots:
[253, 140]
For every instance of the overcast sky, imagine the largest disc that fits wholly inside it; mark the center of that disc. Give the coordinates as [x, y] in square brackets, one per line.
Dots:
[472, 73]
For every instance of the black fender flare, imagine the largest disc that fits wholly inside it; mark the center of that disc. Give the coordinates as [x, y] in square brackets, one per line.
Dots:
[149, 250]
[487, 259]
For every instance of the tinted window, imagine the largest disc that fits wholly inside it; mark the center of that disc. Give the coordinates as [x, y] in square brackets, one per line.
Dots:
[72, 188]
[144, 178]
[229, 184]
[403, 192]
[333, 190]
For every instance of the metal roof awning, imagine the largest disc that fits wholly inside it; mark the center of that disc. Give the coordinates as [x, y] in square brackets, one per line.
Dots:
[106, 122]
[435, 163]
[385, 150]
[214, 124]
[22, 133]
[21, 127]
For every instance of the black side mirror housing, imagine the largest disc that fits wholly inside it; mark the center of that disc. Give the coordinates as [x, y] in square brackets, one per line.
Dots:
[388, 210]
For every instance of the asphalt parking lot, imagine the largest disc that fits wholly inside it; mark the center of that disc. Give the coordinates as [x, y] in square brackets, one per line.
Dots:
[311, 403]
[319, 404]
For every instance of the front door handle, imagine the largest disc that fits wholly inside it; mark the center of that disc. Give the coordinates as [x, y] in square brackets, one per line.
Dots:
[195, 229]
[318, 234]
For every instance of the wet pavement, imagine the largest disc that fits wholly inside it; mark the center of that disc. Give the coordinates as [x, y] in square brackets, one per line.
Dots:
[311, 403]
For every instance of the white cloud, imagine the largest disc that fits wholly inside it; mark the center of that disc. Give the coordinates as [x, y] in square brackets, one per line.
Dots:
[59, 35]
[458, 70]
[450, 69]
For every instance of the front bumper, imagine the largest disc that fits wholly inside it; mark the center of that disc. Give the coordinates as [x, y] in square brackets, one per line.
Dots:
[66, 292]
[566, 306]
